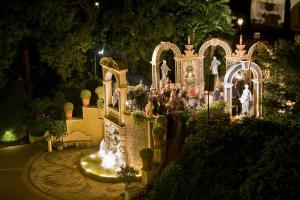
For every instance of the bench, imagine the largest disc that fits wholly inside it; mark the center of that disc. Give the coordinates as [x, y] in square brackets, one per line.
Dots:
[77, 138]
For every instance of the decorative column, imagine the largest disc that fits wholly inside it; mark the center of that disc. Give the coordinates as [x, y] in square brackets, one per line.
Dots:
[201, 70]
[107, 94]
[228, 95]
[153, 76]
[258, 84]
[157, 76]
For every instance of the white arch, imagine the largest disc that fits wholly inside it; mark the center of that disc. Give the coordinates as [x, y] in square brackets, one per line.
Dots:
[162, 46]
[257, 80]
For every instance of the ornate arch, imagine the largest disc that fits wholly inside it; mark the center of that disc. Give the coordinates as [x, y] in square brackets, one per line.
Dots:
[215, 42]
[255, 47]
[257, 80]
[162, 46]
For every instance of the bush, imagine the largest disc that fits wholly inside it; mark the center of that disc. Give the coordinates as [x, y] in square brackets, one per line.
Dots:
[85, 94]
[250, 159]
[138, 116]
[100, 103]
[99, 90]
[127, 175]
[68, 106]
[146, 153]
[158, 132]
[161, 121]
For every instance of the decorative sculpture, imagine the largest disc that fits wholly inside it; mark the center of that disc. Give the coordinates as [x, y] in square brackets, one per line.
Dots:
[164, 69]
[245, 100]
[214, 65]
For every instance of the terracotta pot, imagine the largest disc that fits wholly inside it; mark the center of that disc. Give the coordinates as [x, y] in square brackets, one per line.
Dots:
[147, 164]
[69, 114]
[86, 102]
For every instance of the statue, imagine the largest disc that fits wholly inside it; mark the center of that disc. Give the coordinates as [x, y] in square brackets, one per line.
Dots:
[245, 100]
[164, 69]
[214, 66]
[149, 109]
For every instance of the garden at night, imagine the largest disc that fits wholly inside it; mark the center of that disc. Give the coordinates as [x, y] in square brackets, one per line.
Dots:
[150, 100]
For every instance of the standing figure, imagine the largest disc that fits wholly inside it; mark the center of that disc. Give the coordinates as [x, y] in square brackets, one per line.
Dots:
[245, 100]
[214, 66]
[164, 69]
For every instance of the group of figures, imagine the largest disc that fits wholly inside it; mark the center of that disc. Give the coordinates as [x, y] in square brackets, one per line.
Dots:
[176, 97]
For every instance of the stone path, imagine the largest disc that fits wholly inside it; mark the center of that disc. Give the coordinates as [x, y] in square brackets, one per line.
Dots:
[57, 175]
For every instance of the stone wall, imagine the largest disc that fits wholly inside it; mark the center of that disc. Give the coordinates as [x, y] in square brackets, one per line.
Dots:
[137, 138]
[91, 124]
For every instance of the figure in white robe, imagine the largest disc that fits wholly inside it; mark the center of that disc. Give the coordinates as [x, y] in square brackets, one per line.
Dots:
[245, 100]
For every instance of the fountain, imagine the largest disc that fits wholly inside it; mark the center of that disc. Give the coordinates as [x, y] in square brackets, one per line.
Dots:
[105, 163]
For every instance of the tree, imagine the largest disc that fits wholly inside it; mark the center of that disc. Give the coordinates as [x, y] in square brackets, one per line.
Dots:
[130, 29]
[127, 175]
[282, 92]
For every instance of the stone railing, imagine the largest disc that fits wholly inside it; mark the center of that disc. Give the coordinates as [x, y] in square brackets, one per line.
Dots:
[111, 112]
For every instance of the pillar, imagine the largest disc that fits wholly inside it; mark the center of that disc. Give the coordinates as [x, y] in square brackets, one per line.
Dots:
[228, 95]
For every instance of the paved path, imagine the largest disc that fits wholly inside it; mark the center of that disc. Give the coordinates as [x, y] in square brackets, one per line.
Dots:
[57, 175]
[28, 172]
[13, 164]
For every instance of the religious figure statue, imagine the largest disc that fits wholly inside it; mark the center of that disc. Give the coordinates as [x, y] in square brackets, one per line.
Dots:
[245, 100]
[164, 69]
[214, 65]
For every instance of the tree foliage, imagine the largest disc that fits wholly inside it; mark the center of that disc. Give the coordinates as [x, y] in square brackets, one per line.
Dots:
[130, 29]
[251, 159]
[282, 92]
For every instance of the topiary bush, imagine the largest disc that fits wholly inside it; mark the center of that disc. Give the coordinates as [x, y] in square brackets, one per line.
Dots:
[99, 90]
[85, 94]
[68, 106]
[146, 153]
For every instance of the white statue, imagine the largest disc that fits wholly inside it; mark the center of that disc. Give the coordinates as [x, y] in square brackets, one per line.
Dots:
[214, 65]
[245, 100]
[164, 69]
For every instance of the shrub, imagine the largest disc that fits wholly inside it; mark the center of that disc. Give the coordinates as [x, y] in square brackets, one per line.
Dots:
[85, 94]
[57, 128]
[127, 175]
[146, 153]
[68, 106]
[158, 132]
[100, 103]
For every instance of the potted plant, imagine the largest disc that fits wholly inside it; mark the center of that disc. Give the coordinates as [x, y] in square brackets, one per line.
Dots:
[158, 135]
[161, 121]
[68, 108]
[58, 129]
[147, 156]
[138, 116]
[99, 91]
[85, 96]
[127, 175]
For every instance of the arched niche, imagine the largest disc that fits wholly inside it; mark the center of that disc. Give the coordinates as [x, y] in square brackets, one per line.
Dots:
[215, 42]
[257, 84]
[162, 46]
[110, 68]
